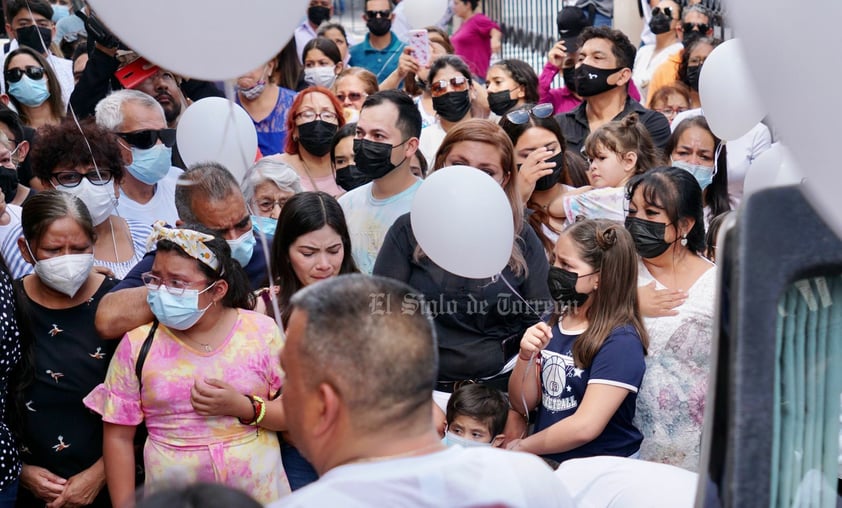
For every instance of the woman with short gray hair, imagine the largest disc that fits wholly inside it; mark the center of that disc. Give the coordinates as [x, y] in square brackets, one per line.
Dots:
[266, 186]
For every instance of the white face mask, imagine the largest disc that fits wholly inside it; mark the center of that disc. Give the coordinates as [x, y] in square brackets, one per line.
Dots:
[451, 439]
[65, 274]
[320, 76]
[99, 199]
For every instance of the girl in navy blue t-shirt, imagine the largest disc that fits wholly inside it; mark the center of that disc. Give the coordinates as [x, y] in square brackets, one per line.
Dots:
[589, 358]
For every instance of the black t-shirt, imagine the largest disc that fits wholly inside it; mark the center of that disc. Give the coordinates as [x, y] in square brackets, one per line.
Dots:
[60, 433]
[472, 317]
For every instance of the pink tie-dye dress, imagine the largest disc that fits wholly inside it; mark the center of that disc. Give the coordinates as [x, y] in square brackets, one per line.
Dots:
[181, 443]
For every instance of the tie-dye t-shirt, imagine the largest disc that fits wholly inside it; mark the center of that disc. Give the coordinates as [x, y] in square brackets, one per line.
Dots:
[181, 442]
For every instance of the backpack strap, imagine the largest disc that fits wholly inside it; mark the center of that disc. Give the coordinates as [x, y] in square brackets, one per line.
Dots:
[144, 351]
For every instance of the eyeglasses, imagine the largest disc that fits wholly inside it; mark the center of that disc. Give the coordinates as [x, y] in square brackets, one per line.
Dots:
[310, 115]
[31, 71]
[147, 138]
[267, 205]
[700, 27]
[666, 10]
[374, 14]
[351, 96]
[457, 84]
[72, 178]
[671, 111]
[521, 116]
[173, 287]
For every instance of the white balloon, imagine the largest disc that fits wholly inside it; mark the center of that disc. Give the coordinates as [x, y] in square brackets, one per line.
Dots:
[463, 221]
[213, 40]
[423, 13]
[799, 82]
[775, 167]
[216, 129]
[727, 91]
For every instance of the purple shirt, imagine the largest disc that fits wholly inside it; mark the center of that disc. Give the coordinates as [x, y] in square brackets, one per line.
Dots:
[473, 43]
[562, 99]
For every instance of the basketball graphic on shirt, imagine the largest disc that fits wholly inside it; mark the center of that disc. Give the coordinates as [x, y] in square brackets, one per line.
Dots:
[554, 371]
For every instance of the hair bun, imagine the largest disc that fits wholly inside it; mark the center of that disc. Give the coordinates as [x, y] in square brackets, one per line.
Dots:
[606, 238]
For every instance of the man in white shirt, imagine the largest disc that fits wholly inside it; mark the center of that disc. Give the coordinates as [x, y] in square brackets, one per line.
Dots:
[387, 138]
[359, 373]
[29, 22]
[147, 192]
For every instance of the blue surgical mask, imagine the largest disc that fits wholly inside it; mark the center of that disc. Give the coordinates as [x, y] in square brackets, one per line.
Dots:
[178, 312]
[703, 174]
[242, 248]
[30, 92]
[152, 164]
[265, 225]
[451, 439]
[60, 12]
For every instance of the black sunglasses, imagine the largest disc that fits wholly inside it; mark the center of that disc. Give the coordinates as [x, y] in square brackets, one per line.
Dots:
[521, 116]
[701, 27]
[374, 14]
[147, 138]
[31, 71]
[666, 10]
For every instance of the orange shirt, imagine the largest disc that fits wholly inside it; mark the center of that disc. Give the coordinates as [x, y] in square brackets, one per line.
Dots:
[664, 75]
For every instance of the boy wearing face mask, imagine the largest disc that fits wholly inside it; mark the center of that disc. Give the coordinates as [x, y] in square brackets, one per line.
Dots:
[476, 416]
[381, 49]
[602, 77]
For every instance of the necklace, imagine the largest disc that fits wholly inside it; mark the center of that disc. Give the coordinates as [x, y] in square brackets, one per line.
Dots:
[206, 347]
[307, 170]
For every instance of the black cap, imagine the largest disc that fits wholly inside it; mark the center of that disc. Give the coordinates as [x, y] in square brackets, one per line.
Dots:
[571, 21]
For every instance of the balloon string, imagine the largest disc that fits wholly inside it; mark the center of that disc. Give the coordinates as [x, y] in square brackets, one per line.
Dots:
[528, 305]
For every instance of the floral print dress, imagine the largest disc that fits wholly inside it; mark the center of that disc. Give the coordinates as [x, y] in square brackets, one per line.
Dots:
[182, 443]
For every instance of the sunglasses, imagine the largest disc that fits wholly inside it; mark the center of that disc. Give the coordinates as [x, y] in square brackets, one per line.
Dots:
[147, 138]
[700, 27]
[457, 84]
[351, 96]
[374, 14]
[666, 10]
[31, 71]
[521, 116]
[73, 179]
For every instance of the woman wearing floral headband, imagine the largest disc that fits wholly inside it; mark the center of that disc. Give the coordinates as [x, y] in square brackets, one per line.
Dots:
[202, 335]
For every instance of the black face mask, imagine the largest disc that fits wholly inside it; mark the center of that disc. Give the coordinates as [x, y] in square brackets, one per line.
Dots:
[31, 36]
[452, 106]
[690, 36]
[374, 159]
[379, 26]
[648, 237]
[562, 285]
[569, 75]
[692, 79]
[592, 80]
[316, 136]
[501, 102]
[547, 182]
[350, 177]
[318, 14]
[660, 24]
[8, 183]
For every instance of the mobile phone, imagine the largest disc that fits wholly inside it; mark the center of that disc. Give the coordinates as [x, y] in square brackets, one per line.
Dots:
[419, 41]
[134, 73]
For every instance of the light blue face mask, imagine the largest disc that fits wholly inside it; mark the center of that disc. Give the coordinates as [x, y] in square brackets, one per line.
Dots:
[265, 225]
[30, 92]
[451, 439]
[60, 12]
[703, 174]
[152, 164]
[243, 247]
[178, 312]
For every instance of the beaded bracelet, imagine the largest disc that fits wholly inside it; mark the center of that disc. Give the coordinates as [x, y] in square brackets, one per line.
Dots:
[261, 412]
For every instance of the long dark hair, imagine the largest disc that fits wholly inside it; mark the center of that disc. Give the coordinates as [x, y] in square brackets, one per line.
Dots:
[304, 213]
[238, 295]
[53, 86]
[716, 194]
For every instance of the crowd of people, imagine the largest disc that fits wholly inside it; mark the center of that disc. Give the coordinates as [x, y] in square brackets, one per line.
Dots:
[174, 336]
